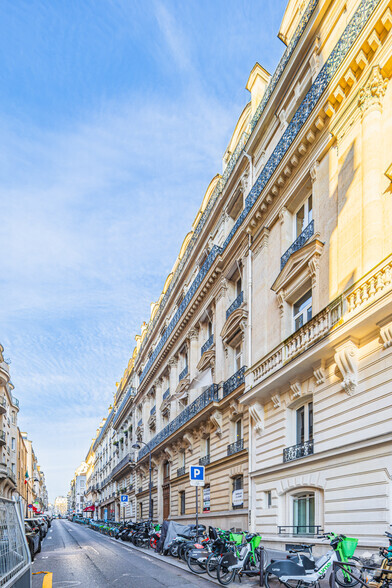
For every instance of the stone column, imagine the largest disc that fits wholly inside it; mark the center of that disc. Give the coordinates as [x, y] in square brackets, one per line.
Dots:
[370, 102]
[286, 230]
[220, 319]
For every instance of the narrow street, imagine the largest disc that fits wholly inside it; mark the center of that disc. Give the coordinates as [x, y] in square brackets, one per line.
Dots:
[79, 556]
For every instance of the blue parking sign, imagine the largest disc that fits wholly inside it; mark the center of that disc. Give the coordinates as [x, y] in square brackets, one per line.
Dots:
[124, 498]
[196, 475]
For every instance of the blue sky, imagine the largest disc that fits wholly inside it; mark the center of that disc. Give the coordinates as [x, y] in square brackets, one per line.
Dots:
[114, 116]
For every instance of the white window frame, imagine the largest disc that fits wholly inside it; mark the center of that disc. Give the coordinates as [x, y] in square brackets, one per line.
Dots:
[293, 432]
[237, 356]
[304, 312]
[308, 215]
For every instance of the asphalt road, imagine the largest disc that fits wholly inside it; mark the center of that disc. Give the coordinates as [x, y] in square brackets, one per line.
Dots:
[79, 556]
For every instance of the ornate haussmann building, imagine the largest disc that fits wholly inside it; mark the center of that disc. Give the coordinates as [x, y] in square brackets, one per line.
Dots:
[268, 356]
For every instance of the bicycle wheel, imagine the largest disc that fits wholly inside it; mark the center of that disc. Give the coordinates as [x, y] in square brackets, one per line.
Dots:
[196, 565]
[212, 565]
[347, 577]
[224, 575]
[272, 581]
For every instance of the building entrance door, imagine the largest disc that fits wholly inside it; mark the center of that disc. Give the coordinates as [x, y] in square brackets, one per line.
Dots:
[166, 490]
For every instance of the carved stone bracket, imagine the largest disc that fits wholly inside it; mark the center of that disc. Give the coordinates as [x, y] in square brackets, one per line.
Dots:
[296, 390]
[386, 335]
[346, 358]
[256, 411]
[236, 409]
[217, 422]
[170, 453]
[276, 400]
[319, 373]
[372, 93]
[188, 440]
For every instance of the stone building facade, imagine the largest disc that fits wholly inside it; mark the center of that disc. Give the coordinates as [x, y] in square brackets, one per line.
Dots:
[267, 357]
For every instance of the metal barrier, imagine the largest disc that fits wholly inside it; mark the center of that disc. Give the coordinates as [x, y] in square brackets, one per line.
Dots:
[15, 561]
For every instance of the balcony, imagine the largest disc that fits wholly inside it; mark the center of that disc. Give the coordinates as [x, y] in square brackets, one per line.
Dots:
[209, 343]
[153, 410]
[183, 374]
[298, 451]
[2, 438]
[15, 401]
[166, 394]
[203, 461]
[140, 489]
[119, 470]
[298, 243]
[236, 304]
[3, 405]
[235, 447]
[207, 397]
[234, 381]
[181, 471]
[293, 530]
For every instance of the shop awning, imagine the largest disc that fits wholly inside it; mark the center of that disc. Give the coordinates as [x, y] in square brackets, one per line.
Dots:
[89, 509]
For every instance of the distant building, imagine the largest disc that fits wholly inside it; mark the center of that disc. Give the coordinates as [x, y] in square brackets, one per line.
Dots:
[60, 505]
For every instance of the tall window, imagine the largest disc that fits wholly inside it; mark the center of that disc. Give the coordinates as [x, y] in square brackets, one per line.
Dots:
[303, 216]
[237, 498]
[303, 513]
[183, 459]
[141, 509]
[237, 358]
[182, 502]
[302, 310]
[207, 446]
[209, 329]
[238, 287]
[238, 430]
[304, 423]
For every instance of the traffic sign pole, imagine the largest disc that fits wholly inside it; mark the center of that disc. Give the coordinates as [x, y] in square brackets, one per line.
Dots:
[197, 513]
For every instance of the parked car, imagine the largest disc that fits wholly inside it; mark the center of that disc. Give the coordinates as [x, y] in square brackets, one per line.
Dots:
[48, 520]
[33, 537]
[42, 521]
[36, 524]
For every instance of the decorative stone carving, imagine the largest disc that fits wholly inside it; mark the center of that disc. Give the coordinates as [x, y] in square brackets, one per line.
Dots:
[217, 422]
[313, 266]
[372, 93]
[169, 453]
[244, 182]
[222, 290]
[236, 409]
[276, 400]
[347, 362]
[296, 390]
[193, 334]
[319, 374]
[188, 441]
[280, 297]
[256, 411]
[313, 171]
[386, 335]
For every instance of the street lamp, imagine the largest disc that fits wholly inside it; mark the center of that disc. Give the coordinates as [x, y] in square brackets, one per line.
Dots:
[138, 446]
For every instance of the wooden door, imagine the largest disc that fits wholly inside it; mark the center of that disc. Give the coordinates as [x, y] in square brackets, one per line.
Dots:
[166, 491]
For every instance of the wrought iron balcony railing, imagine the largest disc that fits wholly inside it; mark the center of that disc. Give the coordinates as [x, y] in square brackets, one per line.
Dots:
[180, 471]
[236, 304]
[298, 451]
[234, 381]
[183, 373]
[207, 344]
[235, 447]
[298, 243]
[127, 459]
[140, 489]
[300, 530]
[3, 402]
[153, 410]
[2, 436]
[205, 460]
[166, 394]
[208, 396]
[140, 422]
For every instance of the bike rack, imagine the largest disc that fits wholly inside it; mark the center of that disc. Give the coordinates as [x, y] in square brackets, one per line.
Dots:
[341, 564]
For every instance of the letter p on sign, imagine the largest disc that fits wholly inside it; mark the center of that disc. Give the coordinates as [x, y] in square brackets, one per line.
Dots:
[196, 475]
